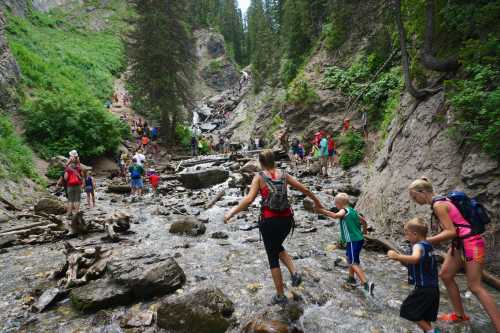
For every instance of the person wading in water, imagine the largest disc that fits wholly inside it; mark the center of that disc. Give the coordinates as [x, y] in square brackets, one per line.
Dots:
[276, 218]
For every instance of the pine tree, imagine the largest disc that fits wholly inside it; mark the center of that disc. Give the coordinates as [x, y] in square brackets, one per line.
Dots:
[162, 59]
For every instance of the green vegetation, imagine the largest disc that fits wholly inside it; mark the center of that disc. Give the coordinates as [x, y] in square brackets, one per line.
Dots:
[215, 66]
[301, 93]
[356, 83]
[15, 157]
[353, 149]
[183, 135]
[68, 71]
[54, 171]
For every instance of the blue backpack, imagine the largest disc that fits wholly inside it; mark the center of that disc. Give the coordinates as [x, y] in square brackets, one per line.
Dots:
[135, 174]
[473, 211]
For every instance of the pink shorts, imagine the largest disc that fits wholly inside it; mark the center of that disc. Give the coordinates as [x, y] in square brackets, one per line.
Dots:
[474, 249]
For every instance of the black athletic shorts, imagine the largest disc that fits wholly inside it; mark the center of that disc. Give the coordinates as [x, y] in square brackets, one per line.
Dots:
[421, 304]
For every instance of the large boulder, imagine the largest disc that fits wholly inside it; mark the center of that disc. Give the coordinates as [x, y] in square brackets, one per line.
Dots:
[118, 188]
[203, 178]
[276, 319]
[99, 294]
[50, 206]
[61, 162]
[252, 166]
[187, 225]
[132, 277]
[203, 311]
[147, 275]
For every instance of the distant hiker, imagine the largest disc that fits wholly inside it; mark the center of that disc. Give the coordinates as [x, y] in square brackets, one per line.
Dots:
[227, 146]
[294, 151]
[147, 130]
[364, 123]
[136, 172]
[139, 157]
[323, 147]
[346, 124]
[194, 146]
[140, 132]
[61, 183]
[331, 150]
[124, 162]
[73, 179]
[467, 249]
[108, 104]
[317, 138]
[154, 141]
[422, 305]
[145, 143]
[257, 143]
[154, 180]
[90, 189]
[352, 235]
[276, 217]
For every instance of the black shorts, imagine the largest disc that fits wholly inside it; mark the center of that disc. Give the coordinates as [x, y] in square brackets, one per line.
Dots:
[421, 304]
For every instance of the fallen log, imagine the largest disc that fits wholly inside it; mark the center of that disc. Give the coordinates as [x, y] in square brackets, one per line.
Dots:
[28, 231]
[24, 227]
[215, 199]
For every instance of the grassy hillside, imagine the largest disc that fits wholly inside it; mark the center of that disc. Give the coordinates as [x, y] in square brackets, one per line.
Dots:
[68, 62]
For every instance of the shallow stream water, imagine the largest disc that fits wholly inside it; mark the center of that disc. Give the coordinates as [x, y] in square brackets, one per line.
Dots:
[237, 265]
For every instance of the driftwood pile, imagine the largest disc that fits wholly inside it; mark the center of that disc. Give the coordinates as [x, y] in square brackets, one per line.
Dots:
[81, 266]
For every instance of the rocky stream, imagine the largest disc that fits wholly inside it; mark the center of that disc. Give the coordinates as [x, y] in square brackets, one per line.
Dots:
[179, 268]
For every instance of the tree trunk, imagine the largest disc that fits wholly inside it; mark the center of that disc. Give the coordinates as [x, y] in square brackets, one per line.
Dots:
[428, 54]
[405, 62]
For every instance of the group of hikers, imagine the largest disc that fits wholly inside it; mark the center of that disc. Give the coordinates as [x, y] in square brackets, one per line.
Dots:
[466, 251]
[323, 149]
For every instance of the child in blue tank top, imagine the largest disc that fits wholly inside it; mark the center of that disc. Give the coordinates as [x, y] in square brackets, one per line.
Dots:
[422, 305]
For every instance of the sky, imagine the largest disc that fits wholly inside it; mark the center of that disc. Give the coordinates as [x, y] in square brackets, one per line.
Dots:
[244, 5]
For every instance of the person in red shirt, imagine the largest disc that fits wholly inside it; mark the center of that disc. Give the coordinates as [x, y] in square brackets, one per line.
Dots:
[346, 124]
[274, 224]
[154, 180]
[331, 150]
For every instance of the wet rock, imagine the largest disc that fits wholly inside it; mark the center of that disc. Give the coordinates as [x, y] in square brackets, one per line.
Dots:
[203, 311]
[219, 235]
[137, 319]
[251, 167]
[118, 188]
[48, 298]
[147, 275]
[50, 206]
[99, 294]
[4, 216]
[187, 225]
[61, 162]
[6, 241]
[308, 205]
[276, 320]
[203, 178]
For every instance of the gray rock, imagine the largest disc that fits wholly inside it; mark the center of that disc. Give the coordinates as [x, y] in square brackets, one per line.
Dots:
[48, 298]
[50, 206]
[147, 275]
[251, 167]
[187, 225]
[202, 311]
[99, 294]
[219, 235]
[118, 188]
[203, 178]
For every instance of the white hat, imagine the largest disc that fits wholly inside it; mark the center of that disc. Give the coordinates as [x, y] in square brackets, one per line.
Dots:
[73, 153]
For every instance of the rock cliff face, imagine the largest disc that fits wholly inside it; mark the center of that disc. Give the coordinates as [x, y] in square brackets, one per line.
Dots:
[421, 146]
[46, 5]
[9, 71]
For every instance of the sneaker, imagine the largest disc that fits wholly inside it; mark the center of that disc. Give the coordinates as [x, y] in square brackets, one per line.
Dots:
[279, 300]
[351, 281]
[369, 286]
[453, 318]
[296, 279]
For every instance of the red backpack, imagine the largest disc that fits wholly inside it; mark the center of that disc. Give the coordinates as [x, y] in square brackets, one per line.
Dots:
[73, 177]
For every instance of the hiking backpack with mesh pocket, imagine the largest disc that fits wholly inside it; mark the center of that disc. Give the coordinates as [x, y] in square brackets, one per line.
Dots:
[473, 211]
[278, 196]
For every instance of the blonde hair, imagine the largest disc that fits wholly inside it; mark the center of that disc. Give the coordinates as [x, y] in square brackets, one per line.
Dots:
[418, 226]
[421, 185]
[266, 159]
[342, 197]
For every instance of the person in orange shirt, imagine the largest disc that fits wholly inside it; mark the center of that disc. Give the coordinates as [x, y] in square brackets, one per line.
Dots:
[145, 142]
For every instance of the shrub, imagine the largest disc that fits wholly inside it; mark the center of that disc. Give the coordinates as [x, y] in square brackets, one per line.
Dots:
[15, 158]
[300, 93]
[183, 135]
[353, 148]
[54, 171]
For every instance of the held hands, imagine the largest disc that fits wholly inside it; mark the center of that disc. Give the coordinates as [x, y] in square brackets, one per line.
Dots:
[227, 217]
[392, 255]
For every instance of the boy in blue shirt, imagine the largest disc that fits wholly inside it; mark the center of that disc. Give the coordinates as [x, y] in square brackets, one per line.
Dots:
[422, 305]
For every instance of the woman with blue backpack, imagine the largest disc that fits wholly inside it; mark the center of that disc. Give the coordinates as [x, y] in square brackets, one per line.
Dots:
[276, 217]
[462, 220]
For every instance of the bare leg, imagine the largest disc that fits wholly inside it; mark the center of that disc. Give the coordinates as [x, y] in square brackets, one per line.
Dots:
[359, 272]
[351, 272]
[278, 280]
[424, 325]
[287, 261]
[450, 268]
[473, 273]
[88, 199]
[93, 198]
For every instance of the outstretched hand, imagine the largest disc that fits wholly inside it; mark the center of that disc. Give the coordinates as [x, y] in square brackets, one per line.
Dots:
[392, 254]
[227, 217]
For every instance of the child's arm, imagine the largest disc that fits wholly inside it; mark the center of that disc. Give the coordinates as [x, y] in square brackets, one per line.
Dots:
[340, 214]
[404, 259]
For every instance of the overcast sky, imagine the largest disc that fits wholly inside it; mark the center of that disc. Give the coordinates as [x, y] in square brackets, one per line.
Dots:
[244, 5]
